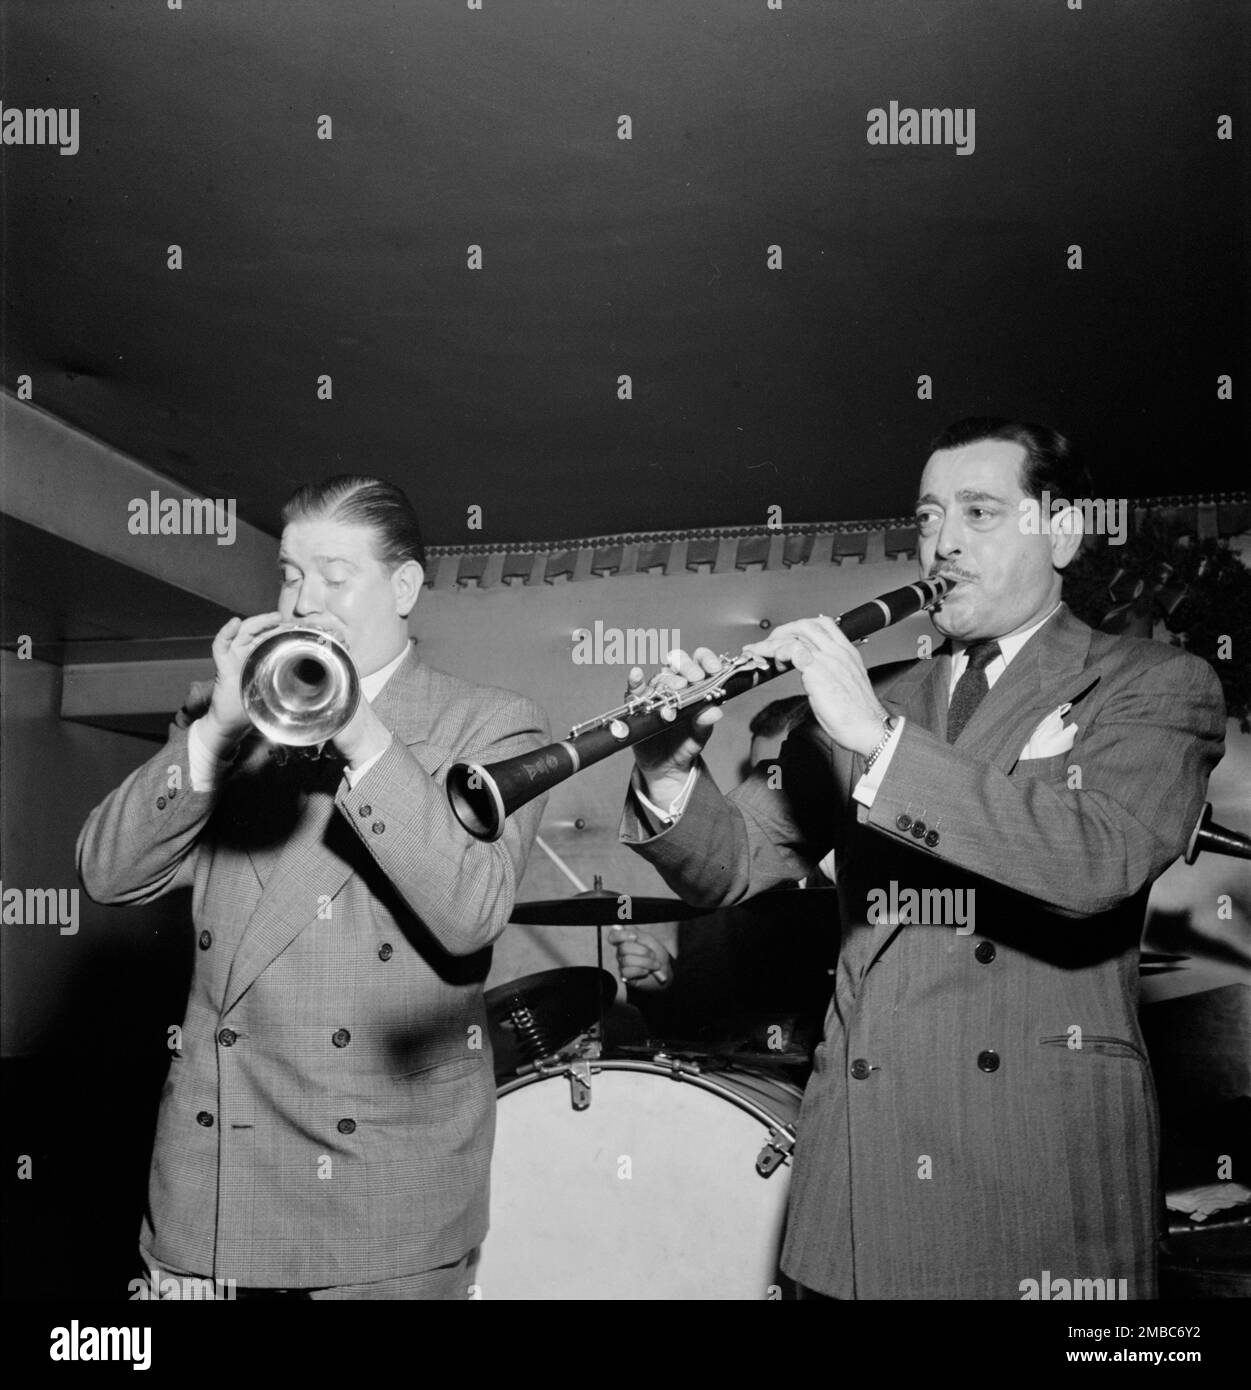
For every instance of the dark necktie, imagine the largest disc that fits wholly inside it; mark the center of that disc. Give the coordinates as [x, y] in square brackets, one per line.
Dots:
[971, 688]
[311, 771]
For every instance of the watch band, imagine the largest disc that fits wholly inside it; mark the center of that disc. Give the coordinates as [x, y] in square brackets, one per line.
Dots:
[888, 724]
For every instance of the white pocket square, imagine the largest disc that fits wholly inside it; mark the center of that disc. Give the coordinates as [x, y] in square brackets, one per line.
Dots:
[1051, 737]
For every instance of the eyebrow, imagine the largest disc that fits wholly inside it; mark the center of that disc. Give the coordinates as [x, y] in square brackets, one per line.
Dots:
[966, 494]
[284, 559]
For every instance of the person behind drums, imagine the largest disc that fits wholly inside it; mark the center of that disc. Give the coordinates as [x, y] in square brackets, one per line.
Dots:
[981, 1109]
[325, 1131]
[745, 972]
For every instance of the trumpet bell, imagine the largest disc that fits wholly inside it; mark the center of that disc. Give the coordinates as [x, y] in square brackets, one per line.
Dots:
[299, 686]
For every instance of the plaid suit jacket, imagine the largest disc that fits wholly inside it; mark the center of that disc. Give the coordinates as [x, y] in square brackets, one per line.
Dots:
[330, 1114]
[981, 1108]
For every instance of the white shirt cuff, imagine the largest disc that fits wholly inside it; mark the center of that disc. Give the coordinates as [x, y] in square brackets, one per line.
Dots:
[208, 761]
[354, 774]
[866, 788]
[677, 806]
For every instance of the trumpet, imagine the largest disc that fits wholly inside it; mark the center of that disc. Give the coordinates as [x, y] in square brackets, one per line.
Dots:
[483, 798]
[299, 686]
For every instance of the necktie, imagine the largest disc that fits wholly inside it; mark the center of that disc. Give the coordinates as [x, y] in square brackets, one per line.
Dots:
[971, 688]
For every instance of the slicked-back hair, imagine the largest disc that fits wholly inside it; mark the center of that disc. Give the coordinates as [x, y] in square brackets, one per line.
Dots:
[361, 501]
[1051, 464]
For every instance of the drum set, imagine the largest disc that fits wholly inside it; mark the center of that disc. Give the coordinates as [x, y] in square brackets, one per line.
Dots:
[633, 1170]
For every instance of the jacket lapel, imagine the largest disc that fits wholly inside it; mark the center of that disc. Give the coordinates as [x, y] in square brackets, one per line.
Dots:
[920, 693]
[310, 868]
[1044, 674]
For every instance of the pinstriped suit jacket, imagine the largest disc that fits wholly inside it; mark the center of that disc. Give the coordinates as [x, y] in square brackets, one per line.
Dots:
[328, 1119]
[927, 1167]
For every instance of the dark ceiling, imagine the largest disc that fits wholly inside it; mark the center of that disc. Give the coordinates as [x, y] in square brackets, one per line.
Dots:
[601, 256]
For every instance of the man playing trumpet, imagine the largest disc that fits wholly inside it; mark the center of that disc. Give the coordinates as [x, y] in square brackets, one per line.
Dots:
[327, 1124]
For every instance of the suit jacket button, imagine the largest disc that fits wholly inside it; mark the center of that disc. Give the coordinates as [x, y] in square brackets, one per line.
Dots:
[227, 1037]
[205, 1119]
[985, 952]
[160, 803]
[341, 1037]
[918, 829]
[346, 1126]
[386, 951]
[903, 820]
[367, 811]
[931, 838]
[860, 1069]
[206, 939]
[377, 827]
[988, 1061]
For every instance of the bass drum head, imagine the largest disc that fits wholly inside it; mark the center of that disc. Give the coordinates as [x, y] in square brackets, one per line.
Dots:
[652, 1192]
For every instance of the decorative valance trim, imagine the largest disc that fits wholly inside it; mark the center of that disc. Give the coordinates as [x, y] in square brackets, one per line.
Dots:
[723, 549]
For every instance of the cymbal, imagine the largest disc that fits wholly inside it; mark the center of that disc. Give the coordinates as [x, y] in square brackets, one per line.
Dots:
[601, 908]
[538, 1014]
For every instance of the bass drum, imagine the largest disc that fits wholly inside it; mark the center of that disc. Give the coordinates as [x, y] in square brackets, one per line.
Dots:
[629, 1180]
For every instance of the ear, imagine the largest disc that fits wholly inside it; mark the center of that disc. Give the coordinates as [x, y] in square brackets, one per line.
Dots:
[406, 582]
[1067, 528]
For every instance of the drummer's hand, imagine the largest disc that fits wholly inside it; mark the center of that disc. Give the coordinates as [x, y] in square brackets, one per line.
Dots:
[665, 761]
[642, 961]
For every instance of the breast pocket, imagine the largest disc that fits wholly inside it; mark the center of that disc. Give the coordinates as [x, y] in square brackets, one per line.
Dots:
[1054, 769]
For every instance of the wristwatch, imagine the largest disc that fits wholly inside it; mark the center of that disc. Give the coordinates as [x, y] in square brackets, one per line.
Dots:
[888, 726]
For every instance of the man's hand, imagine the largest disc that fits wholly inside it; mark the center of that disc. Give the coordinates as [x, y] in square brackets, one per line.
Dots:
[834, 677]
[364, 736]
[642, 961]
[666, 760]
[225, 718]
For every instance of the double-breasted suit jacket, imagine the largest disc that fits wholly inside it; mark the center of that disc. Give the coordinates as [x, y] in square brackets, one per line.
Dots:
[329, 1116]
[982, 1108]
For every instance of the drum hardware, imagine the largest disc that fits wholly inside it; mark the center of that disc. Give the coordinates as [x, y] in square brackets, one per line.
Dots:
[778, 1148]
[580, 1085]
[679, 1068]
[585, 1045]
[545, 1015]
[530, 1036]
[599, 907]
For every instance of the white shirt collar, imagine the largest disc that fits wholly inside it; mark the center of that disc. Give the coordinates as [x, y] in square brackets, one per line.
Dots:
[371, 685]
[1008, 648]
